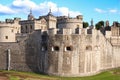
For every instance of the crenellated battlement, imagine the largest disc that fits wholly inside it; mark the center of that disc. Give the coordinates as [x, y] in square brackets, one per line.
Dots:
[66, 19]
[68, 31]
[9, 22]
[68, 22]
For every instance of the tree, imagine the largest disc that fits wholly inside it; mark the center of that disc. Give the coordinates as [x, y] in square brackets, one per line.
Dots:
[85, 24]
[99, 25]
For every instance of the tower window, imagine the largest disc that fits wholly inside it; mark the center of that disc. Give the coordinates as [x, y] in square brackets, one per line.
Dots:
[6, 37]
[68, 48]
[55, 48]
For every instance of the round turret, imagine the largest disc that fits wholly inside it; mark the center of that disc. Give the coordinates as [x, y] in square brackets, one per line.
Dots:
[7, 34]
[71, 23]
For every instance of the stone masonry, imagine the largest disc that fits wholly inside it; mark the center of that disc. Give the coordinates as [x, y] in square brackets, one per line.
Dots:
[58, 46]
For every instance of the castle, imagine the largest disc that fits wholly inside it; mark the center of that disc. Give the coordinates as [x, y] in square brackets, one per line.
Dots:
[58, 46]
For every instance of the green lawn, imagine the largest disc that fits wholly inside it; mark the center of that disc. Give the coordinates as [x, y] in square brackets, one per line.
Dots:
[13, 75]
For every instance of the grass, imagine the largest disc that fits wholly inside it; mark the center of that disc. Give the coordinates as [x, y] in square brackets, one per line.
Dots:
[13, 75]
[14, 78]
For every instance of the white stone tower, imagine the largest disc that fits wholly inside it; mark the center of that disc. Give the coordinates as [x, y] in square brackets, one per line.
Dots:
[51, 20]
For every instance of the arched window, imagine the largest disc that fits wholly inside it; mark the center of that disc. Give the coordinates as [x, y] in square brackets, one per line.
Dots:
[68, 48]
[55, 48]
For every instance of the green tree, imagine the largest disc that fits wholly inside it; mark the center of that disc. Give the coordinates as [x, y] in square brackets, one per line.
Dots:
[85, 24]
[99, 25]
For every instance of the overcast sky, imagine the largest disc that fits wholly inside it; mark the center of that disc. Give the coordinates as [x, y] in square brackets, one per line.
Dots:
[96, 9]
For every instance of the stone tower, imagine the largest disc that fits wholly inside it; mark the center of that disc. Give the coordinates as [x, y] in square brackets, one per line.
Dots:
[30, 16]
[72, 23]
[51, 20]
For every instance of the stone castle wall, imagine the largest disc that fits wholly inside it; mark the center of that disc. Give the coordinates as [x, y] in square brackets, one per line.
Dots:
[23, 54]
[80, 54]
[61, 54]
[68, 50]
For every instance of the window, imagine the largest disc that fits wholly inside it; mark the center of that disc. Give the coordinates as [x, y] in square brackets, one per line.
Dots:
[68, 48]
[12, 30]
[30, 26]
[6, 37]
[77, 31]
[89, 48]
[55, 48]
[22, 30]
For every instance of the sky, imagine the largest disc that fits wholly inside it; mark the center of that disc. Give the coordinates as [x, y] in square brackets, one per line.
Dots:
[90, 9]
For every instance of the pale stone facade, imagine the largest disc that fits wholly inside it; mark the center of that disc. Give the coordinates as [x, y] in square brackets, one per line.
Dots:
[72, 23]
[7, 34]
[28, 26]
[43, 22]
[8, 29]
